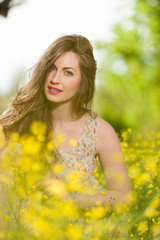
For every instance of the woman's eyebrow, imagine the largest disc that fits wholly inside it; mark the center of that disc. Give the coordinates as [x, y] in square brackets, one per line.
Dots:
[64, 67]
[69, 68]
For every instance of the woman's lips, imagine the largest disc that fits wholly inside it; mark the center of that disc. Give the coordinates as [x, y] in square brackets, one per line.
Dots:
[54, 90]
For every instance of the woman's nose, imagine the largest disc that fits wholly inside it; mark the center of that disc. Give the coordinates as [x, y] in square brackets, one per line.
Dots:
[55, 78]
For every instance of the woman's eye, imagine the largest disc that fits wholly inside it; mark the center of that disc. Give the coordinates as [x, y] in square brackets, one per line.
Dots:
[53, 68]
[68, 73]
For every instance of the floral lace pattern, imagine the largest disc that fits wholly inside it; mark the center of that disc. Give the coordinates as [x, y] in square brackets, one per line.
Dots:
[81, 158]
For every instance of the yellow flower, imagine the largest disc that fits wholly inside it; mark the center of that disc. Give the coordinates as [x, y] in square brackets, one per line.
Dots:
[38, 128]
[129, 130]
[41, 138]
[155, 229]
[45, 196]
[133, 196]
[74, 232]
[103, 193]
[56, 187]
[60, 138]
[22, 211]
[150, 212]
[109, 225]
[74, 183]
[4, 179]
[142, 226]
[50, 145]
[7, 218]
[2, 138]
[30, 145]
[73, 142]
[40, 226]
[121, 208]
[136, 144]
[96, 212]
[70, 211]
[143, 178]
[73, 176]
[124, 136]
[155, 203]
[97, 175]
[57, 168]
[158, 134]
[151, 166]
[75, 186]
[21, 191]
[15, 137]
[124, 144]
[98, 203]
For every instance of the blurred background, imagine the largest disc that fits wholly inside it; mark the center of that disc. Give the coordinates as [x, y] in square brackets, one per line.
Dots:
[125, 35]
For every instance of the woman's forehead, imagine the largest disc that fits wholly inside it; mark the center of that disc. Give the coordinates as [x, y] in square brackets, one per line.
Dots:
[66, 58]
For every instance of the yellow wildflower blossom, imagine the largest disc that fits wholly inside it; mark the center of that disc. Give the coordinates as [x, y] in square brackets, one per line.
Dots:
[73, 176]
[50, 145]
[56, 187]
[155, 229]
[96, 212]
[15, 137]
[73, 142]
[7, 218]
[2, 137]
[142, 226]
[143, 178]
[75, 186]
[60, 139]
[38, 128]
[150, 212]
[151, 166]
[57, 168]
[129, 130]
[70, 211]
[31, 146]
[109, 225]
[155, 203]
[74, 232]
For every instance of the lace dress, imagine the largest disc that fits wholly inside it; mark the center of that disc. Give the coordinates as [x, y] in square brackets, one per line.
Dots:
[81, 158]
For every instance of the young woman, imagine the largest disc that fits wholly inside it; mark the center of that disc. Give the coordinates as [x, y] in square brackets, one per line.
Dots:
[60, 94]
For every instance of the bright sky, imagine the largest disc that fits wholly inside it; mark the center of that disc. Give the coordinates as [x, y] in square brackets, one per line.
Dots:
[31, 27]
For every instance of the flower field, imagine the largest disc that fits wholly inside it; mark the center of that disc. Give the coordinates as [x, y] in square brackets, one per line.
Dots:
[34, 204]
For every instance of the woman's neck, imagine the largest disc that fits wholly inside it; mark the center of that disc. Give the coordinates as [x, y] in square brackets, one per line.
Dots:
[62, 113]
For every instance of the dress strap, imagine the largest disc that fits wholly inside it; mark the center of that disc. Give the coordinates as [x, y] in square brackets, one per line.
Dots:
[89, 138]
[93, 114]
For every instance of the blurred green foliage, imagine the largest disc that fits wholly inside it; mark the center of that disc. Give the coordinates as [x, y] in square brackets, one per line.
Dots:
[5, 99]
[4, 102]
[18, 80]
[128, 94]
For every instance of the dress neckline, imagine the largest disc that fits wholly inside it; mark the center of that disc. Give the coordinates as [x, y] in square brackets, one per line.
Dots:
[78, 142]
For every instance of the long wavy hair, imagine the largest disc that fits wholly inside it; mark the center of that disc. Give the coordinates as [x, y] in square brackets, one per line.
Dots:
[30, 103]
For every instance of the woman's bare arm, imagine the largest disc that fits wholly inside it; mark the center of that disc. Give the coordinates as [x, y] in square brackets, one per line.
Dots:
[112, 162]
[113, 167]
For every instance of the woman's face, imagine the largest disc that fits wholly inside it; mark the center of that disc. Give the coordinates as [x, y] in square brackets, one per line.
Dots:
[63, 80]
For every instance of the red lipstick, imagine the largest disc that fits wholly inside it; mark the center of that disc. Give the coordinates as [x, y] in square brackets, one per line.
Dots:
[54, 90]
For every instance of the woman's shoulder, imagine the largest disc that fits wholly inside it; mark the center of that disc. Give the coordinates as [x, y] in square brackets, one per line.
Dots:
[103, 126]
[105, 131]
[106, 135]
